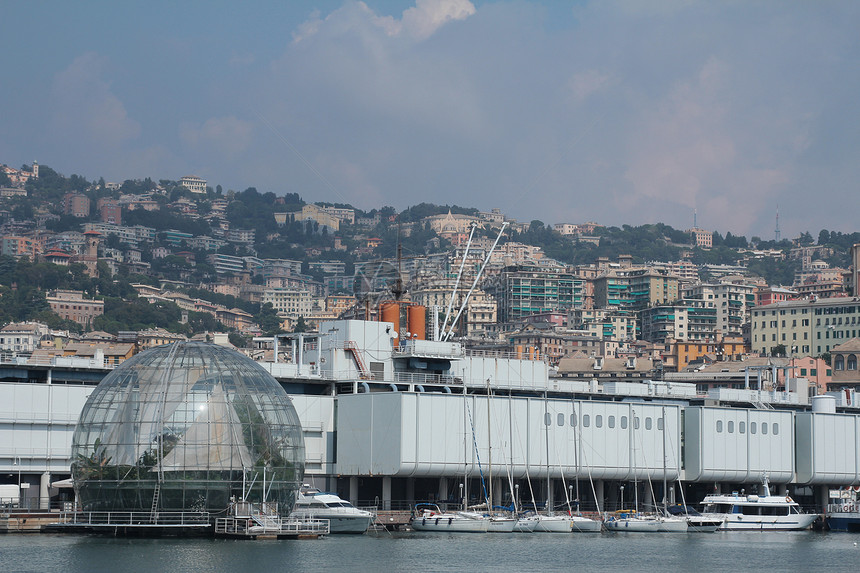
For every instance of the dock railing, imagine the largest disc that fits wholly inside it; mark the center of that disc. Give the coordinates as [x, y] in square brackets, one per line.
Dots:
[249, 526]
[136, 518]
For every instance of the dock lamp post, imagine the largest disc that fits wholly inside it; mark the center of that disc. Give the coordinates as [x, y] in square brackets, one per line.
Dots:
[622, 496]
[17, 462]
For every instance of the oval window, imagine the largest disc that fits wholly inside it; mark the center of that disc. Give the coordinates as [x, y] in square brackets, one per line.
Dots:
[611, 422]
[753, 427]
[731, 426]
[775, 428]
[586, 421]
[560, 418]
[547, 419]
[764, 427]
[573, 420]
[598, 421]
[719, 426]
[742, 427]
[623, 422]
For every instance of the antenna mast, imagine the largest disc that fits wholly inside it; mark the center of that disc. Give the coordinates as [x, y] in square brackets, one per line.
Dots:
[776, 231]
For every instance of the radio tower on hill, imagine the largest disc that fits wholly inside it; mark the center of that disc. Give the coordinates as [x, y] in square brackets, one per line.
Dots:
[776, 231]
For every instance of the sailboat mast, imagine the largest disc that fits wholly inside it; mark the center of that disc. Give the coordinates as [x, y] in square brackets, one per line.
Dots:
[546, 429]
[489, 451]
[663, 414]
[465, 454]
[635, 482]
[576, 453]
[511, 440]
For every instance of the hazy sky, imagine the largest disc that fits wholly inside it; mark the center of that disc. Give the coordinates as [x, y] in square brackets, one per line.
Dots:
[619, 112]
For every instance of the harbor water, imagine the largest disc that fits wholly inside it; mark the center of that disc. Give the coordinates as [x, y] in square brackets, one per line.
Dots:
[382, 552]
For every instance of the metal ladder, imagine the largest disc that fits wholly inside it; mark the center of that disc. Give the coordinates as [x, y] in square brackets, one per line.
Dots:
[153, 513]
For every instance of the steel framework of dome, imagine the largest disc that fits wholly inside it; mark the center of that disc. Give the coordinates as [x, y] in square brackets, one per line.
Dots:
[189, 426]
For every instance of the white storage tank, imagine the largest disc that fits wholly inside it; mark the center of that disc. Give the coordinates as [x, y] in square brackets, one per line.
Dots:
[824, 403]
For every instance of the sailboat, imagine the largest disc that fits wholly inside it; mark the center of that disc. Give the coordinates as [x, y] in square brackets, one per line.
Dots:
[632, 520]
[430, 517]
[570, 523]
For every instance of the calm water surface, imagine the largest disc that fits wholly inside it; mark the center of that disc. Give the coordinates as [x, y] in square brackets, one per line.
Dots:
[699, 552]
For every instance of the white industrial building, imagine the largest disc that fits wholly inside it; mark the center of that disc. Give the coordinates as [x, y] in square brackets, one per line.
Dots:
[396, 423]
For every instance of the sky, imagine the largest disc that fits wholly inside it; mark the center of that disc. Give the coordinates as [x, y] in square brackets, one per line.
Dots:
[619, 112]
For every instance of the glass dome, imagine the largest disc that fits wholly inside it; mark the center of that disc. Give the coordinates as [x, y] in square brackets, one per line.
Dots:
[187, 427]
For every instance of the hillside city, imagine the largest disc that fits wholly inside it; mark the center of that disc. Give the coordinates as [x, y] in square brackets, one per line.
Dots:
[105, 269]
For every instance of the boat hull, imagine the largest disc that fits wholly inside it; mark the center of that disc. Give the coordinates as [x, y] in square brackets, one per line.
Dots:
[502, 525]
[647, 525]
[585, 525]
[450, 523]
[703, 524]
[526, 525]
[740, 522]
[338, 522]
[849, 522]
[566, 524]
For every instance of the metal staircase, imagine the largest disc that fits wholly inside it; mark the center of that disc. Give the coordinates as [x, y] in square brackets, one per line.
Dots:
[351, 347]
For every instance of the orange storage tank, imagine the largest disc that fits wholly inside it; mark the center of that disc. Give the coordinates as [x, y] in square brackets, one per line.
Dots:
[416, 319]
[390, 312]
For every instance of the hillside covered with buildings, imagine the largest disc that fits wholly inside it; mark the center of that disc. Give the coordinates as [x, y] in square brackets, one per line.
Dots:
[107, 269]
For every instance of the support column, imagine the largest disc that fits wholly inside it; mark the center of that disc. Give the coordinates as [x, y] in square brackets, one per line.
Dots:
[386, 493]
[410, 490]
[353, 490]
[822, 494]
[648, 498]
[550, 498]
[782, 489]
[44, 491]
[598, 488]
[498, 492]
[442, 494]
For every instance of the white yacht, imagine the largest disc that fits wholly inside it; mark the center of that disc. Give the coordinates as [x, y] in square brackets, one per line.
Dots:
[429, 517]
[343, 517]
[695, 520]
[566, 524]
[633, 521]
[763, 512]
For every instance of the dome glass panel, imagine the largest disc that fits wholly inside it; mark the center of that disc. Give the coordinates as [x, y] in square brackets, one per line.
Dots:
[189, 426]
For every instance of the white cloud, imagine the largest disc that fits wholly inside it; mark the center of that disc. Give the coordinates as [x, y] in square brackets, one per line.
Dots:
[85, 108]
[227, 136]
[582, 85]
[418, 22]
[427, 16]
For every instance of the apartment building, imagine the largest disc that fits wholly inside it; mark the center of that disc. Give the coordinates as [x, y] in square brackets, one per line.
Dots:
[193, 183]
[632, 289]
[528, 289]
[805, 327]
[733, 303]
[289, 301]
[71, 305]
[606, 324]
[687, 320]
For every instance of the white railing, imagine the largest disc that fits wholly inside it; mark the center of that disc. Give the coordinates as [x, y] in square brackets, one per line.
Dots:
[271, 526]
[61, 361]
[137, 518]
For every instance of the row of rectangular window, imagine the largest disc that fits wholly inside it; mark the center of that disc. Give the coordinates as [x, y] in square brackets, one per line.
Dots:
[598, 421]
[742, 427]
